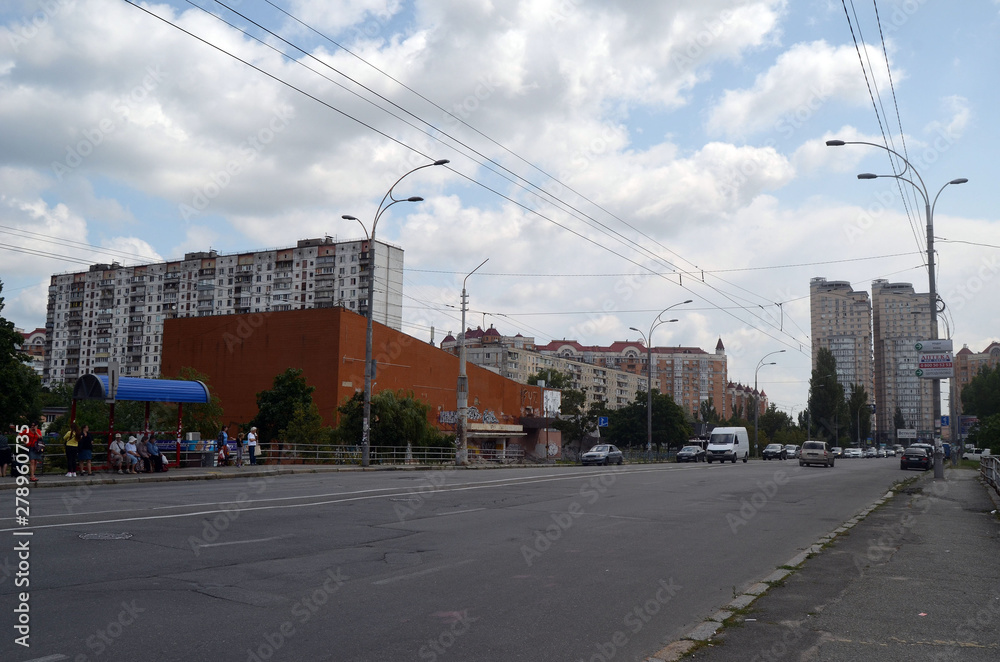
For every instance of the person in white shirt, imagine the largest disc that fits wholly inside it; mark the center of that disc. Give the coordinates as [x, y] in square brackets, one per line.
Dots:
[131, 455]
[252, 445]
[116, 454]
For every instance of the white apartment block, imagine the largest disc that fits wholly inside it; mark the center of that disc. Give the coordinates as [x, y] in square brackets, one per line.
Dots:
[115, 313]
[840, 321]
[901, 318]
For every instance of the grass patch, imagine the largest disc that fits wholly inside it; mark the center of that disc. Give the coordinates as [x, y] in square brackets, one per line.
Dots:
[972, 465]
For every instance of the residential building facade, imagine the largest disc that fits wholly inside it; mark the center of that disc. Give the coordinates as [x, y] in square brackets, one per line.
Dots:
[115, 314]
[34, 347]
[841, 321]
[900, 319]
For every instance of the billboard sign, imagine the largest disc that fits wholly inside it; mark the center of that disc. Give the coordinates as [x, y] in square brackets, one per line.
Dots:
[934, 359]
[903, 433]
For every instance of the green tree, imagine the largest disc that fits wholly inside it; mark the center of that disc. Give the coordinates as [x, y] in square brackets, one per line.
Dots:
[986, 434]
[552, 378]
[306, 427]
[628, 426]
[898, 423]
[826, 399]
[20, 388]
[859, 414]
[397, 419]
[575, 421]
[276, 407]
[981, 397]
[707, 412]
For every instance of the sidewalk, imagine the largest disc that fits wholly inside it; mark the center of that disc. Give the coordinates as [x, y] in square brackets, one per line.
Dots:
[916, 578]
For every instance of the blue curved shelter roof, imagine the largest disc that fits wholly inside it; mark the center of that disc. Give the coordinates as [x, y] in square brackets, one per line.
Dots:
[95, 387]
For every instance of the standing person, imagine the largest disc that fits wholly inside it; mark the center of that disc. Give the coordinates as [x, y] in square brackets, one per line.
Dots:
[223, 446]
[6, 456]
[252, 445]
[36, 450]
[72, 439]
[240, 442]
[85, 454]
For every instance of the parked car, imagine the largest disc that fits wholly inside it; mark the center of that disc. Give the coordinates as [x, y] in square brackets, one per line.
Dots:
[603, 454]
[816, 452]
[838, 451]
[927, 447]
[915, 457]
[791, 451]
[852, 452]
[879, 452]
[774, 452]
[691, 454]
[890, 452]
[869, 452]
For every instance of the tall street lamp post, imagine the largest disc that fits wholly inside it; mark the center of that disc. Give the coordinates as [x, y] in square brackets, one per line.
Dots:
[756, 398]
[369, 368]
[929, 206]
[649, 367]
[462, 447]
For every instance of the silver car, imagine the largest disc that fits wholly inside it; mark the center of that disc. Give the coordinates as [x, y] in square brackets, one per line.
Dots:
[602, 454]
[816, 452]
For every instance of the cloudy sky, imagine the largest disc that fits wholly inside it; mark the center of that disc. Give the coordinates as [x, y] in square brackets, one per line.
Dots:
[609, 158]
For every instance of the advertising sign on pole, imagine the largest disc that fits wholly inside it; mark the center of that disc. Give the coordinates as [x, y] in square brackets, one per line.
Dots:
[903, 433]
[934, 359]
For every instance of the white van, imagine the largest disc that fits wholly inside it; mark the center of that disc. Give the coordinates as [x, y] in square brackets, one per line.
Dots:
[728, 444]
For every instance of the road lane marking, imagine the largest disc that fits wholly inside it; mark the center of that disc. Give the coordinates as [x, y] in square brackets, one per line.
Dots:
[458, 512]
[420, 573]
[244, 542]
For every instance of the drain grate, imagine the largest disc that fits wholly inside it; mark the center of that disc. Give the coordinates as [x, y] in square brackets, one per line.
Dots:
[105, 536]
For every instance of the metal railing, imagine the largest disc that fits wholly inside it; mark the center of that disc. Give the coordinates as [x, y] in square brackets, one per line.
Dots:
[989, 468]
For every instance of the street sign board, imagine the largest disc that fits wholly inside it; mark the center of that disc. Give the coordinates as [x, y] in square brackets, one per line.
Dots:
[945, 421]
[602, 421]
[934, 359]
[904, 433]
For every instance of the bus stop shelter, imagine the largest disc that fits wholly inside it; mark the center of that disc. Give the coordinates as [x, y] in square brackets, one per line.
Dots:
[174, 391]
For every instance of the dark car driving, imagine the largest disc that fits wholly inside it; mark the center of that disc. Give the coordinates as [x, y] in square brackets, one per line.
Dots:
[774, 452]
[915, 458]
[691, 454]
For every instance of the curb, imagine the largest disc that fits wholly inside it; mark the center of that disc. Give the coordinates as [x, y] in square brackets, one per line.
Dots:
[704, 632]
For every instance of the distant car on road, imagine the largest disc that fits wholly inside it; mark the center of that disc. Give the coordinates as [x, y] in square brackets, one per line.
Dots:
[691, 454]
[602, 454]
[879, 452]
[852, 452]
[791, 451]
[838, 451]
[890, 452]
[816, 452]
[869, 452]
[774, 452]
[915, 457]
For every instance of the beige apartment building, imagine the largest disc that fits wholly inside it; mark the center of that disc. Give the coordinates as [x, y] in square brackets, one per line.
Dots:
[841, 321]
[900, 319]
[517, 357]
[114, 314]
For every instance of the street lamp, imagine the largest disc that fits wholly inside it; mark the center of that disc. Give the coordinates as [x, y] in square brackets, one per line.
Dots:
[649, 367]
[369, 368]
[462, 447]
[929, 206]
[756, 398]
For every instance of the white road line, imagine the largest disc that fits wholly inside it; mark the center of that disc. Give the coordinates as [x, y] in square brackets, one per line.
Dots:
[547, 478]
[420, 573]
[244, 542]
[49, 658]
[458, 512]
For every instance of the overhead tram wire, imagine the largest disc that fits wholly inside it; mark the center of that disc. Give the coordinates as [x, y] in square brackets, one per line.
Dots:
[69, 243]
[690, 274]
[462, 175]
[899, 119]
[878, 116]
[618, 236]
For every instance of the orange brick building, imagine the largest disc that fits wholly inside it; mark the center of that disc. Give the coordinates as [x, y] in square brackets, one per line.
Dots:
[242, 354]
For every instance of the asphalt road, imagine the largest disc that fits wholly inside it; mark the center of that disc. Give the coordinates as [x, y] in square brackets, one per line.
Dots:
[556, 563]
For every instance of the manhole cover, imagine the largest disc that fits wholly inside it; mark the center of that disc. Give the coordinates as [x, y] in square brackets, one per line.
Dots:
[105, 536]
